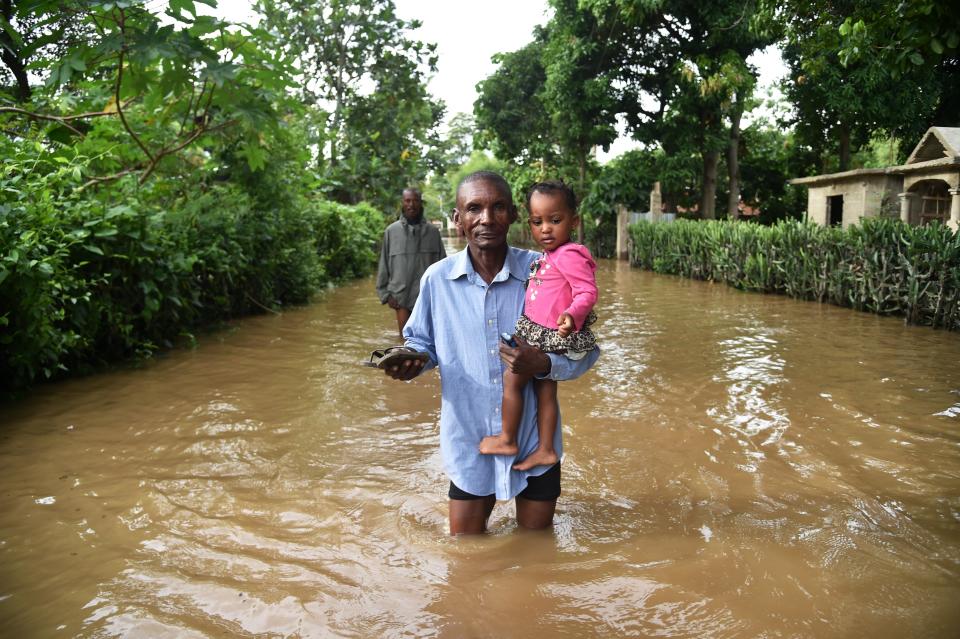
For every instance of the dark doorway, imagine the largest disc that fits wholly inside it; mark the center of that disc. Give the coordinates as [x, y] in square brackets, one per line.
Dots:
[835, 210]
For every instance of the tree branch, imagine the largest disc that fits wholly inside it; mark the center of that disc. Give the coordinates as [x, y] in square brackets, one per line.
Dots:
[109, 178]
[196, 133]
[123, 118]
[40, 116]
[149, 168]
[63, 119]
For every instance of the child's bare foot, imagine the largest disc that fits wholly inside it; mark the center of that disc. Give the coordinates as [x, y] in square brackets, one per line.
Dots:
[539, 457]
[498, 445]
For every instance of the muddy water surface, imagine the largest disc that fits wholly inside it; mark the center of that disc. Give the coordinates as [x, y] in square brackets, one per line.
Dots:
[737, 465]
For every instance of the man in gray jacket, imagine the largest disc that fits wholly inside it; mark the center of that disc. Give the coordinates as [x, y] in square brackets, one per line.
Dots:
[410, 245]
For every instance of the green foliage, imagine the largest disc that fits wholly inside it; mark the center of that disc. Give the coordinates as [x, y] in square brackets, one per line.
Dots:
[458, 142]
[840, 100]
[85, 281]
[550, 102]
[626, 181]
[139, 89]
[881, 266]
[510, 111]
[905, 35]
[362, 80]
[346, 237]
[879, 152]
[578, 88]
[768, 157]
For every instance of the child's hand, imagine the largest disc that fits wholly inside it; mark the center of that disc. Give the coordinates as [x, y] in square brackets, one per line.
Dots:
[565, 324]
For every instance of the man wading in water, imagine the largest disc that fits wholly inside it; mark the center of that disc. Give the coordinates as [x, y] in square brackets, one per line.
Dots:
[466, 301]
[410, 245]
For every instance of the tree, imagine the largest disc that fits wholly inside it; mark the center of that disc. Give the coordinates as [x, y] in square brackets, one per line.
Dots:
[550, 103]
[918, 38]
[904, 35]
[838, 107]
[578, 84]
[769, 156]
[681, 74]
[31, 31]
[458, 142]
[364, 80]
[147, 89]
[511, 115]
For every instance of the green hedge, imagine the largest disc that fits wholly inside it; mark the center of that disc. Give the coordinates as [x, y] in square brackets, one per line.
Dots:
[882, 265]
[84, 282]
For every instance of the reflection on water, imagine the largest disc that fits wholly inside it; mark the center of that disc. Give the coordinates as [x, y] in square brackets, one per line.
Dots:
[737, 466]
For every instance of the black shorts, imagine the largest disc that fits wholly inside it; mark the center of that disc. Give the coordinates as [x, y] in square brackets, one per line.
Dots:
[546, 487]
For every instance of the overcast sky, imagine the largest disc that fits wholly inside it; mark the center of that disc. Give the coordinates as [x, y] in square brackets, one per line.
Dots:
[467, 34]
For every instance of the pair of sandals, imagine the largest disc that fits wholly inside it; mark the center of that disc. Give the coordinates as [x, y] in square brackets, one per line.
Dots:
[393, 356]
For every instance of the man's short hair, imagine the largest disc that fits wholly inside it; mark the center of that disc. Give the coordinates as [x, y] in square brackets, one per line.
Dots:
[491, 176]
[554, 187]
[413, 189]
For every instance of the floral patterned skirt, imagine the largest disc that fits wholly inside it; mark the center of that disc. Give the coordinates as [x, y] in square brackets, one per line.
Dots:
[575, 345]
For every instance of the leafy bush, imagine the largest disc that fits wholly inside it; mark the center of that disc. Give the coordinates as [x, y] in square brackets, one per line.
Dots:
[882, 265]
[87, 279]
[624, 181]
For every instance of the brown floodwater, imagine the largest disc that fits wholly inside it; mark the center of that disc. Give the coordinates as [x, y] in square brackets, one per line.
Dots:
[737, 465]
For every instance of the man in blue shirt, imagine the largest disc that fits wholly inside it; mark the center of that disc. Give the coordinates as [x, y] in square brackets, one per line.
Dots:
[466, 301]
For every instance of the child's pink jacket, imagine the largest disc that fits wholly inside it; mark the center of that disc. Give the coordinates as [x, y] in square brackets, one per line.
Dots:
[563, 283]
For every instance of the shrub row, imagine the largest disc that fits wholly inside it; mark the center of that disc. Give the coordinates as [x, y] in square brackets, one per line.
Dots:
[84, 281]
[881, 266]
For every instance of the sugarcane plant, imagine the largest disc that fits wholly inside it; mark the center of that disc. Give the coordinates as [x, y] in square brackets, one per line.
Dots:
[881, 266]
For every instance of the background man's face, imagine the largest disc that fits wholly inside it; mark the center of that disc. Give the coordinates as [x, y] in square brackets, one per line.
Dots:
[412, 205]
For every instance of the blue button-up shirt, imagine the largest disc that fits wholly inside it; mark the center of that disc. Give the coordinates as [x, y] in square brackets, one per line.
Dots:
[457, 320]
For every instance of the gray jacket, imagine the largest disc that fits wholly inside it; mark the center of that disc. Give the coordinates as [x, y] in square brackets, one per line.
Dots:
[408, 249]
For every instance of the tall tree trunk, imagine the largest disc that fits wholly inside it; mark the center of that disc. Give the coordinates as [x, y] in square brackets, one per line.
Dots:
[581, 194]
[9, 53]
[708, 197]
[844, 147]
[733, 160]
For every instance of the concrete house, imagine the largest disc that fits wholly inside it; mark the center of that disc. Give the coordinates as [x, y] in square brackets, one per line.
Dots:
[924, 190]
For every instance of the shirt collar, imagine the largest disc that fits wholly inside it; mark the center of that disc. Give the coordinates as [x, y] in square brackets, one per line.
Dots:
[514, 265]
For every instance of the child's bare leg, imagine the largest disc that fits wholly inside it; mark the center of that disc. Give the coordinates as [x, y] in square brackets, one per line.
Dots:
[547, 412]
[506, 442]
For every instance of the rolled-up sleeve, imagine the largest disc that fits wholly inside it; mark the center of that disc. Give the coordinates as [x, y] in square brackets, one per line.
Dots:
[418, 333]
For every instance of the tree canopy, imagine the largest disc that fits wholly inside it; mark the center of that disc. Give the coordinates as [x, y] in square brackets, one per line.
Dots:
[363, 80]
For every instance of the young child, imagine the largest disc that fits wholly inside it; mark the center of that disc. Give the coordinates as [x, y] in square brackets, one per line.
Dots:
[557, 314]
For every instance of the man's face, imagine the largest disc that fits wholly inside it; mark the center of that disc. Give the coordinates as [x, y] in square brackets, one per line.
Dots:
[484, 213]
[412, 205]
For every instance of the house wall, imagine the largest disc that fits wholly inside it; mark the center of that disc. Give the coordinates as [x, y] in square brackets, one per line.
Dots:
[951, 177]
[852, 193]
[863, 196]
[881, 196]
